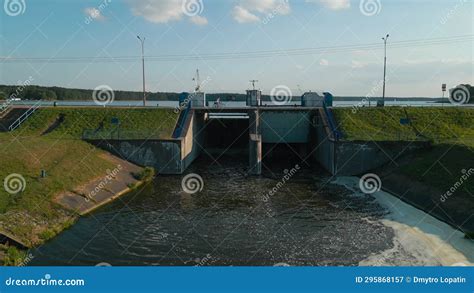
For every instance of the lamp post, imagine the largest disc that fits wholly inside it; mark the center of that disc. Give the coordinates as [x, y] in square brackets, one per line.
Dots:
[142, 41]
[385, 39]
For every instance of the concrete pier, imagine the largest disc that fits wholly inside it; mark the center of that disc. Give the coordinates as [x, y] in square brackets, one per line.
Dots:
[255, 143]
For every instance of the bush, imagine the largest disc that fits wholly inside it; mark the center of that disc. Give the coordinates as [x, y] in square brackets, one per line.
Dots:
[14, 256]
[146, 175]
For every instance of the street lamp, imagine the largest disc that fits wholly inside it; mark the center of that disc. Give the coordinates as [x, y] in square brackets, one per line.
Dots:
[142, 41]
[385, 39]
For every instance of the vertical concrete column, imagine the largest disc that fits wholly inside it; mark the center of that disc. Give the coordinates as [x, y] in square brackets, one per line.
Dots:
[255, 143]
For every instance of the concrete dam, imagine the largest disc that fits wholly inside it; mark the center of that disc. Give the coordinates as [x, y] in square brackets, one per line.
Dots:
[309, 132]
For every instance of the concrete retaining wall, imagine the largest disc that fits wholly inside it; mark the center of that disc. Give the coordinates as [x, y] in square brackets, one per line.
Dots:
[193, 139]
[324, 148]
[285, 126]
[171, 156]
[355, 158]
[345, 158]
[163, 155]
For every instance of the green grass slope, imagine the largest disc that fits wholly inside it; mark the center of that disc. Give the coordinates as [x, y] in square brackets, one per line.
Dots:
[31, 216]
[445, 167]
[137, 123]
[383, 124]
[50, 140]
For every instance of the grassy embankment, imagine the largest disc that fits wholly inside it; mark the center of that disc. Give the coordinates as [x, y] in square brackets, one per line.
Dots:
[31, 216]
[451, 131]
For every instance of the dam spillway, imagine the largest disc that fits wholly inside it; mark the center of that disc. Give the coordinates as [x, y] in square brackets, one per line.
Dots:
[308, 131]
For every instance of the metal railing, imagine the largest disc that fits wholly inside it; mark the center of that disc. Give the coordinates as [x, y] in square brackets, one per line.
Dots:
[182, 121]
[25, 116]
[332, 123]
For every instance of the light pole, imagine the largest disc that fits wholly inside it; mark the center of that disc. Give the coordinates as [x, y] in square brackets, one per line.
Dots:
[385, 39]
[142, 41]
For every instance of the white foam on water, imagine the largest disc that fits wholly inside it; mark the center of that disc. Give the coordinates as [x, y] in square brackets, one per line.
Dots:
[420, 239]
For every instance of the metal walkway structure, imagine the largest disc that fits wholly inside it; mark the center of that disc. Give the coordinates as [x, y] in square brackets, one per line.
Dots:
[17, 123]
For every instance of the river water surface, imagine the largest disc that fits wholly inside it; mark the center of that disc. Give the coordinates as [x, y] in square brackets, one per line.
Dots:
[309, 221]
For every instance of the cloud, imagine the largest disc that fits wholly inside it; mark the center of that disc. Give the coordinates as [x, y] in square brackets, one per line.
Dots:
[250, 10]
[333, 4]
[94, 13]
[199, 20]
[358, 64]
[324, 62]
[242, 15]
[163, 11]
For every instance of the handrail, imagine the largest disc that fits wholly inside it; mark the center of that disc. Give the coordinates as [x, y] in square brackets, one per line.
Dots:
[337, 134]
[24, 116]
[181, 121]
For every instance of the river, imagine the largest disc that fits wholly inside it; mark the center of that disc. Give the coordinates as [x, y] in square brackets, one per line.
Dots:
[311, 220]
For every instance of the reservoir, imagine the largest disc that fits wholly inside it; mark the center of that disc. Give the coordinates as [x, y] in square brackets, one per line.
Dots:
[312, 220]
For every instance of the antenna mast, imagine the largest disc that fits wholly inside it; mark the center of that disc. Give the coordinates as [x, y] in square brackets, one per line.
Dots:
[253, 83]
[197, 79]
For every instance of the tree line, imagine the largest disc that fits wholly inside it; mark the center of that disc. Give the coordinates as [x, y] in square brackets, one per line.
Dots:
[33, 92]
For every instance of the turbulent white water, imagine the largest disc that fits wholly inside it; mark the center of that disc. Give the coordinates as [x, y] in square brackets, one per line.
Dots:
[420, 239]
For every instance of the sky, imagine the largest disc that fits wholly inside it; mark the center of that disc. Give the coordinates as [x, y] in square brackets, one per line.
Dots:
[55, 30]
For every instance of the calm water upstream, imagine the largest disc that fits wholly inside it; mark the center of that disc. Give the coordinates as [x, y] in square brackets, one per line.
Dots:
[308, 222]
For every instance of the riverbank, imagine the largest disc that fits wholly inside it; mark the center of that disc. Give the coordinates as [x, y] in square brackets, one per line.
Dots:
[51, 177]
[124, 178]
[438, 180]
[79, 179]
[429, 240]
